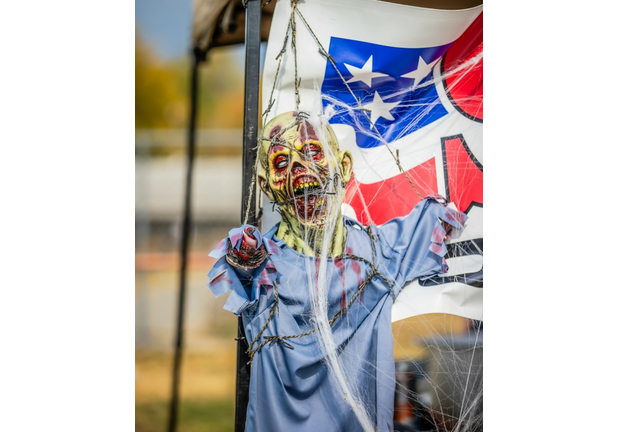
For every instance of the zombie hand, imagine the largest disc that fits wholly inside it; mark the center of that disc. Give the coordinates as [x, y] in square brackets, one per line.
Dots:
[452, 212]
[247, 251]
[447, 227]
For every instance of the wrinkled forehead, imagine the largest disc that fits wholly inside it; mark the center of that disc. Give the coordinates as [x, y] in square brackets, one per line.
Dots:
[292, 130]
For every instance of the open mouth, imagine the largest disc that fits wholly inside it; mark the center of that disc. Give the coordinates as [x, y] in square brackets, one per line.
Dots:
[308, 197]
[307, 188]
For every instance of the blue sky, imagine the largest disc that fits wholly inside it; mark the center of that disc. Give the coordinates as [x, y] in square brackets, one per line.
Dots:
[165, 25]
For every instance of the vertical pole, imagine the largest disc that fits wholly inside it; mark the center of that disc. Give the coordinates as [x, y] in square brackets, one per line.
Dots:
[198, 56]
[142, 236]
[250, 141]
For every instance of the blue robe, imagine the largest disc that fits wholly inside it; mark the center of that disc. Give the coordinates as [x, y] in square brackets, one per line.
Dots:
[291, 389]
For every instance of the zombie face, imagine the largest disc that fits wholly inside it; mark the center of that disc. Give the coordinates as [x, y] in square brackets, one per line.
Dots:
[304, 171]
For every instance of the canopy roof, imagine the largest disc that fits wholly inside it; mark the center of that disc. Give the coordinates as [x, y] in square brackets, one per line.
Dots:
[222, 22]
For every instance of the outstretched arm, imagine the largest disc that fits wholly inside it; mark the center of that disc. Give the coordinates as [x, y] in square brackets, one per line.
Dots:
[414, 245]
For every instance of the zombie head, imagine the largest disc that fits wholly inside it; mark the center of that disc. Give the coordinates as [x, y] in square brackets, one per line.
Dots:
[303, 170]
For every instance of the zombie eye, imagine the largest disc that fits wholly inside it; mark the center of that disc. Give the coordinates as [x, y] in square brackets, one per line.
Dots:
[312, 152]
[281, 162]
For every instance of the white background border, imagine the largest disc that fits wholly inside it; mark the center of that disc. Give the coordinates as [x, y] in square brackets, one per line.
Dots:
[549, 191]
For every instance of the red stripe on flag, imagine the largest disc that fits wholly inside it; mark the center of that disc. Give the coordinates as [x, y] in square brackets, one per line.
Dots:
[465, 87]
[464, 174]
[394, 197]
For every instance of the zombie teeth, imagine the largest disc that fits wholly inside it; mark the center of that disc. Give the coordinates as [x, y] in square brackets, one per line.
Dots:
[306, 185]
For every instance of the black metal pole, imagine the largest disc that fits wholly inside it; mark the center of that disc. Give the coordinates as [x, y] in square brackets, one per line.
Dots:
[249, 156]
[198, 57]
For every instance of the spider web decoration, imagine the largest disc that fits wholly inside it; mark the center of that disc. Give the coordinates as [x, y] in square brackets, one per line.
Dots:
[407, 104]
[402, 88]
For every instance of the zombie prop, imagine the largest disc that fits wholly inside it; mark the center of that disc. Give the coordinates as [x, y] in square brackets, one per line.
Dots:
[309, 373]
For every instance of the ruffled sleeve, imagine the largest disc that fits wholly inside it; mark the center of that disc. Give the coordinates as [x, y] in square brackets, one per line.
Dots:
[414, 246]
[246, 285]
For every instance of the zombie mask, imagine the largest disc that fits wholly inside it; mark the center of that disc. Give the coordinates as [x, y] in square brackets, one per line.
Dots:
[304, 172]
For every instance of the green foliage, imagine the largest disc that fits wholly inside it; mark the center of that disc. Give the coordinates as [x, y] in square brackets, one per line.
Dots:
[159, 99]
[162, 89]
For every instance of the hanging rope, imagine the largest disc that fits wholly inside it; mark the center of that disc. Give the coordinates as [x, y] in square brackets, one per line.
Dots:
[292, 30]
[332, 61]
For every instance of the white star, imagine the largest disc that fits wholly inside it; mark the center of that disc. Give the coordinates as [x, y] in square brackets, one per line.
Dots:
[379, 108]
[421, 71]
[364, 74]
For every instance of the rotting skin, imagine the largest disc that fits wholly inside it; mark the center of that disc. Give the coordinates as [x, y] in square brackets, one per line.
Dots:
[306, 180]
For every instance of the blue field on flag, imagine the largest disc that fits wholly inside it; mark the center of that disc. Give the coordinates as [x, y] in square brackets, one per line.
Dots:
[395, 84]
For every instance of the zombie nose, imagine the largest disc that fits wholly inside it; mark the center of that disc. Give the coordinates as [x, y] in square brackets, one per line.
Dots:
[297, 166]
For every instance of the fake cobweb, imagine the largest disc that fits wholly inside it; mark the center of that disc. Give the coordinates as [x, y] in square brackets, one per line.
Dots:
[437, 328]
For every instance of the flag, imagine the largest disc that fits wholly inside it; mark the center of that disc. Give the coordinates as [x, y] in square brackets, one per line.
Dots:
[403, 88]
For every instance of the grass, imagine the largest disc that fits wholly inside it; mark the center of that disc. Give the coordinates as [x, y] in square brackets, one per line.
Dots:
[207, 389]
[195, 415]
